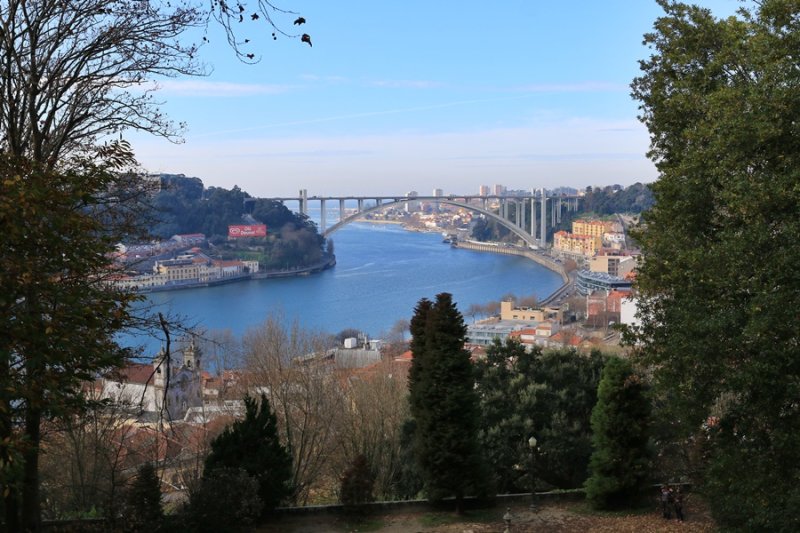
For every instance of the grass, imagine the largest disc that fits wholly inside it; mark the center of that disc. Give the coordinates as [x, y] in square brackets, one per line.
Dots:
[359, 525]
[440, 519]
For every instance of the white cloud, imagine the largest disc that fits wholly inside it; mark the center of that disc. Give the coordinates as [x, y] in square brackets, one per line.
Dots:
[406, 84]
[580, 87]
[575, 152]
[217, 89]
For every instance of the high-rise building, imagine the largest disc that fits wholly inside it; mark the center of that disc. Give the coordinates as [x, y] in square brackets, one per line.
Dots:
[438, 193]
[499, 190]
[483, 190]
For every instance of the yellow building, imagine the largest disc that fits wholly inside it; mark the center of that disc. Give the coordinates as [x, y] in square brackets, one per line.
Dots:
[586, 245]
[528, 314]
[594, 228]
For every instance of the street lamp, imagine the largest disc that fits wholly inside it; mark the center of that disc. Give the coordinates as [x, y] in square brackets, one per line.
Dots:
[532, 444]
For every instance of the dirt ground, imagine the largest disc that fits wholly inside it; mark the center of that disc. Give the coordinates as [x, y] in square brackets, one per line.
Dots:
[559, 517]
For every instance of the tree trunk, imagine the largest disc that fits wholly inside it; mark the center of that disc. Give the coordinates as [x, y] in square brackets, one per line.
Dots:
[30, 484]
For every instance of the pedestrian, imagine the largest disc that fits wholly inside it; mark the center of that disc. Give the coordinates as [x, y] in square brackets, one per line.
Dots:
[666, 502]
[678, 503]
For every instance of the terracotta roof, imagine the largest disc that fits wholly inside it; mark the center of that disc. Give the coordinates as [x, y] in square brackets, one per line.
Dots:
[137, 373]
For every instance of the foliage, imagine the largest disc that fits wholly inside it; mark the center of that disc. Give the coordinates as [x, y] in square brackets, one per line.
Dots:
[305, 394]
[547, 395]
[184, 206]
[374, 408]
[357, 483]
[75, 73]
[444, 403]
[82, 465]
[719, 291]
[227, 500]
[620, 423]
[58, 315]
[614, 199]
[252, 445]
[144, 511]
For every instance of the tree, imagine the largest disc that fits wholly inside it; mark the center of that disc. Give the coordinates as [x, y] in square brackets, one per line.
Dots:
[58, 313]
[444, 403]
[303, 392]
[357, 483]
[718, 296]
[253, 445]
[547, 395]
[620, 461]
[72, 74]
[144, 499]
[370, 422]
[227, 500]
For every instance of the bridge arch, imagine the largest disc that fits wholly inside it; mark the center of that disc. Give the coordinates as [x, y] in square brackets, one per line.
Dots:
[519, 232]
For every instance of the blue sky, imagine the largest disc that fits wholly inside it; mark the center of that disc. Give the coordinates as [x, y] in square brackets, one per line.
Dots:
[414, 95]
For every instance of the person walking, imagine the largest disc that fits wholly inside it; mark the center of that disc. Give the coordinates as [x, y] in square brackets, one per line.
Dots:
[666, 502]
[678, 503]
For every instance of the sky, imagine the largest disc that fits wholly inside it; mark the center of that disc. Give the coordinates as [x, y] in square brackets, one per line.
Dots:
[415, 95]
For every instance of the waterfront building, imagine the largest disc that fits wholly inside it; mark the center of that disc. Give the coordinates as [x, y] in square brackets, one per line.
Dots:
[508, 311]
[588, 282]
[499, 190]
[614, 264]
[584, 245]
[483, 190]
[595, 228]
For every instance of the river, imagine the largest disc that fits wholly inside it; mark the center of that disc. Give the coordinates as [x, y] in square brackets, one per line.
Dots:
[382, 271]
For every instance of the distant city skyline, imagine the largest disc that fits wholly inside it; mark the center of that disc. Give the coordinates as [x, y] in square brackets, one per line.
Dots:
[395, 97]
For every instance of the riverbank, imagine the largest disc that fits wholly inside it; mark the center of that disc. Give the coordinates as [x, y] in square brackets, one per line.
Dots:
[533, 255]
[326, 263]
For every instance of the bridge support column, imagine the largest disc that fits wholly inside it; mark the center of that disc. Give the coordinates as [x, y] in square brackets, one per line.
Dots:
[553, 214]
[543, 221]
[360, 205]
[533, 218]
[504, 209]
[558, 211]
[303, 202]
[341, 209]
[322, 213]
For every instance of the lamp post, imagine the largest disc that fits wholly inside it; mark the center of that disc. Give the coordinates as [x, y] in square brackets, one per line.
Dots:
[532, 444]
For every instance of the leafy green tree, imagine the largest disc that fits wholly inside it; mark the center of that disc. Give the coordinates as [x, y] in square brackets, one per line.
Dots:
[144, 511]
[58, 314]
[252, 445]
[620, 423]
[505, 425]
[718, 287]
[444, 403]
[227, 500]
[547, 395]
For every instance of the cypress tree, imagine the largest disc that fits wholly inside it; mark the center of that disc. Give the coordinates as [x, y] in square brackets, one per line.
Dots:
[252, 445]
[620, 425]
[444, 403]
[144, 499]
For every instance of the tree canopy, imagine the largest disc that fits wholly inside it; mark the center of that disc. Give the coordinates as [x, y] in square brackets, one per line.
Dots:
[719, 289]
[443, 402]
[252, 445]
[620, 462]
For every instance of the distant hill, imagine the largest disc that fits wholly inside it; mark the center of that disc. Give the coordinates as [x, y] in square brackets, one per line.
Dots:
[185, 205]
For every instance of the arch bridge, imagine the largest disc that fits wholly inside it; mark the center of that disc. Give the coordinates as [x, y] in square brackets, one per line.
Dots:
[512, 211]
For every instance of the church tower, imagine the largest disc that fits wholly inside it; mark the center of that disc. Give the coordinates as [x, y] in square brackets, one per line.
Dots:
[160, 369]
[191, 356]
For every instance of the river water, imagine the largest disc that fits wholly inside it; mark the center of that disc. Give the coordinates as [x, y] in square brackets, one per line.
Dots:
[382, 271]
